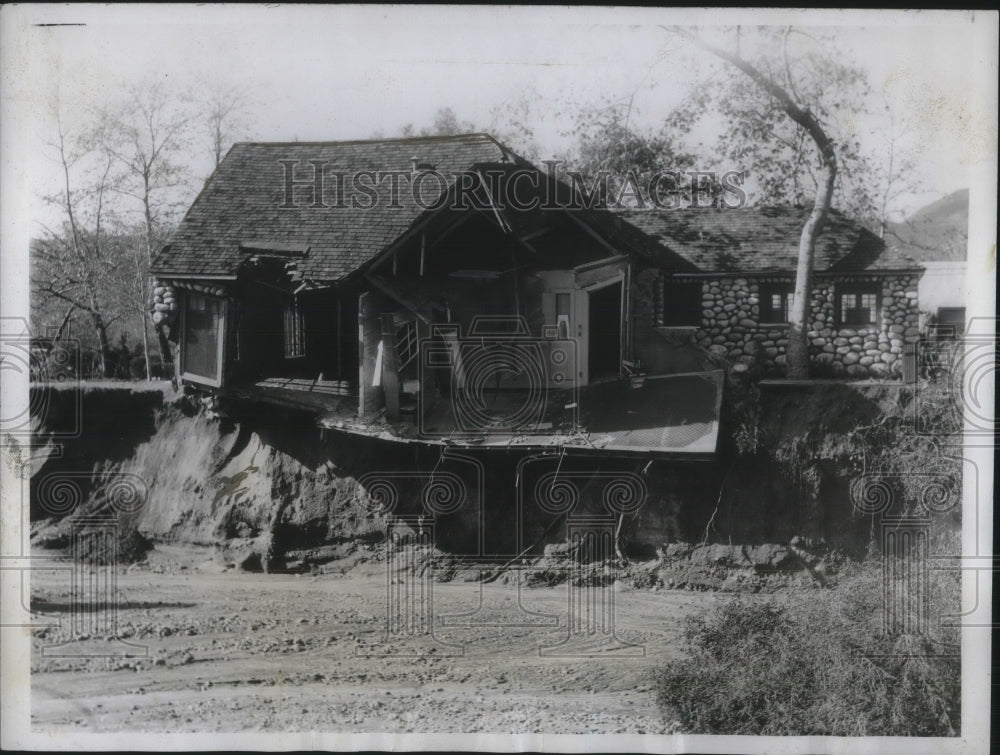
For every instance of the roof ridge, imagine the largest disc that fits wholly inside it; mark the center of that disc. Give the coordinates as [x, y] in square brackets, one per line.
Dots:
[469, 136]
[713, 208]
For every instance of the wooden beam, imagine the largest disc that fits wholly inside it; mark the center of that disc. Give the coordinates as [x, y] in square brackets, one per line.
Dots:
[462, 219]
[506, 227]
[390, 368]
[423, 251]
[600, 239]
[174, 276]
[392, 247]
[340, 337]
[386, 289]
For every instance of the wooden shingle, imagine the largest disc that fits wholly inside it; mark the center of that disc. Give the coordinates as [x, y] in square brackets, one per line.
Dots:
[245, 203]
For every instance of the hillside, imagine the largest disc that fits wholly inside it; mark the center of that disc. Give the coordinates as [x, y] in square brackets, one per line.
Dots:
[936, 232]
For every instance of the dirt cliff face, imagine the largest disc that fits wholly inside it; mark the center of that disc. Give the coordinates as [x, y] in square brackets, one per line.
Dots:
[274, 492]
[259, 491]
[77, 430]
[827, 460]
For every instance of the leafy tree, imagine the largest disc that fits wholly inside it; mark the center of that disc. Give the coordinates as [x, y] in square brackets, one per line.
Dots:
[607, 142]
[514, 121]
[788, 128]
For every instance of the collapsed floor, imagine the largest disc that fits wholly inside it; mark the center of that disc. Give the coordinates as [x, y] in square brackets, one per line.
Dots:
[274, 493]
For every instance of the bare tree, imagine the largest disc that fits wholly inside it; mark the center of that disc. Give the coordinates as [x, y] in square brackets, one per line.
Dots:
[75, 263]
[224, 112]
[898, 176]
[147, 134]
[446, 123]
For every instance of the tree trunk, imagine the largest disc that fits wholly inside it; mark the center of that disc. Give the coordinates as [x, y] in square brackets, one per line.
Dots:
[65, 322]
[147, 289]
[102, 338]
[798, 321]
[145, 344]
[161, 338]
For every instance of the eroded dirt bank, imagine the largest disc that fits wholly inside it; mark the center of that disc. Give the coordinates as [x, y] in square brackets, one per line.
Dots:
[274, 493]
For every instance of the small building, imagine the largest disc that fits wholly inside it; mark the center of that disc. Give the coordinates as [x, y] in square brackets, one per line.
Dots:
[440, 289]
[736, 303]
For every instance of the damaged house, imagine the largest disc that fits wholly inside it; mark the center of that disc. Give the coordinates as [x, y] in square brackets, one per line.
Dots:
[469, 303]
[444, 290]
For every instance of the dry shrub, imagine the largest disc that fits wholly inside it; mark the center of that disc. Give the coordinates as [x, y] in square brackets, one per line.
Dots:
[818, 663]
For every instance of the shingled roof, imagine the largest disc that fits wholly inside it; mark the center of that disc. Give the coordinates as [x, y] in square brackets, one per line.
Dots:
[763, 239]
[239, 212]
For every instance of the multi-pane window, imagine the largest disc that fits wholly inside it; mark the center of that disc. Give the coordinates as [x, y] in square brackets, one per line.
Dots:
[858, 305]
[776, 302]
[295, 343]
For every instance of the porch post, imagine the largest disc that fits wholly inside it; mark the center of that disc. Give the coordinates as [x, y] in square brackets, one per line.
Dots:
[390, 370]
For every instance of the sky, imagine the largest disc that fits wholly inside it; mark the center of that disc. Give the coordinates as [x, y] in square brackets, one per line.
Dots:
[345, 72]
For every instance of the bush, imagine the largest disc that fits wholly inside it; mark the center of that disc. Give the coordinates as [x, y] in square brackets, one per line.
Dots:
[137, 367]
[821, 664]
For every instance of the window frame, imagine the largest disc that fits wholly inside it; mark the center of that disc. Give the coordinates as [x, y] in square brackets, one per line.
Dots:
[194, 377]
[858, 290]
[407, 343]
[294, 348]
[765, 292]
[953, 329]
[666, 284]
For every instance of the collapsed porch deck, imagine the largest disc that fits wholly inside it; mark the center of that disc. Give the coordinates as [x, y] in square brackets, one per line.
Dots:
[670, 415]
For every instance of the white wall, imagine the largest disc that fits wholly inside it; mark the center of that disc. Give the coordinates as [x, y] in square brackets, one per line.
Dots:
[942, 285]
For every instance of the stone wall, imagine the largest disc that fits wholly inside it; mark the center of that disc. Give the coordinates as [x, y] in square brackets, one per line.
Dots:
[164, 303]
[661, 350]
[731, 328]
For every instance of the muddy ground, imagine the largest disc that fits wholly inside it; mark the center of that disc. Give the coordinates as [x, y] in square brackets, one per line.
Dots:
[217, 650]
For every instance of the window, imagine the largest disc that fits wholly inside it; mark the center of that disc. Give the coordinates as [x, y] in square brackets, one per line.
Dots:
[680, 303]
[776, 302]
[295, 344]
[950, 322]
[202, 337]
[858, 305]
[406, 343]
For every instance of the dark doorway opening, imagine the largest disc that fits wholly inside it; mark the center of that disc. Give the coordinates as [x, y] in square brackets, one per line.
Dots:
[604, 358]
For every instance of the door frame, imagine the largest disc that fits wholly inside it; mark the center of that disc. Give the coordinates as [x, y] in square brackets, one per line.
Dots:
[567, 282]
[584, 318]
